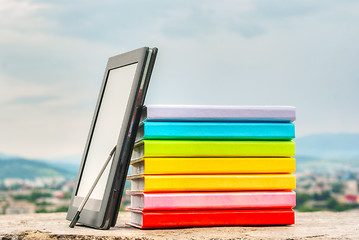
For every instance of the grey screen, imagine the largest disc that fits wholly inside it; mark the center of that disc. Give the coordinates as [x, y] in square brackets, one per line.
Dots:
[107, 129]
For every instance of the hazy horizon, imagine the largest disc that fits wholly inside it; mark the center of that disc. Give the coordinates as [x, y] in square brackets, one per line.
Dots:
[299, 53]
[76, 158]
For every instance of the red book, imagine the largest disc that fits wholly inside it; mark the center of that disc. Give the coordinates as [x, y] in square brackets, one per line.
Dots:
[175, 219]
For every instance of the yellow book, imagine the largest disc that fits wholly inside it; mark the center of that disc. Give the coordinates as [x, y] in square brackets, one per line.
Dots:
[165, 165]
[193, 148]
[194, 183]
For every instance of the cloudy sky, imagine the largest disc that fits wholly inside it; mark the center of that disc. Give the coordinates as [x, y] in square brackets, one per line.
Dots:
[53, 55]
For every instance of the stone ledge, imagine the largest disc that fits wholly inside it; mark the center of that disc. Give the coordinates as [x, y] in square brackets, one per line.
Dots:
[318, 225]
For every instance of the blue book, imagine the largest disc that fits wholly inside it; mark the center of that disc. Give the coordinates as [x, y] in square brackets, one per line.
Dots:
[215, 131]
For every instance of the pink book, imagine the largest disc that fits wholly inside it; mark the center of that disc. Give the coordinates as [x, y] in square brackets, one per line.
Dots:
[213, 200]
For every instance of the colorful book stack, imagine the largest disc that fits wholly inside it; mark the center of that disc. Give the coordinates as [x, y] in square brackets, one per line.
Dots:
[213, 166]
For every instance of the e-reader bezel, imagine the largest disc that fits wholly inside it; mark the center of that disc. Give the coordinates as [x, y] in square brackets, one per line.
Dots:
[105, 217]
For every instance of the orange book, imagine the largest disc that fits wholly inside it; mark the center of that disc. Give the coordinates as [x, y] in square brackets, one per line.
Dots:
[210, 165]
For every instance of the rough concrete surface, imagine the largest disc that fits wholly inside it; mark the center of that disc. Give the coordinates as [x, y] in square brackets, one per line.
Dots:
[317, 225]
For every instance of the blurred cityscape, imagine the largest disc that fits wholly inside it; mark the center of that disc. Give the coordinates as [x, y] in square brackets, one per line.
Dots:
[41, 195]
[18, 196]
[333, 191]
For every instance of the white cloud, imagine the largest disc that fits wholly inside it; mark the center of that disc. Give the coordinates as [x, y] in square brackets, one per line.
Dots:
[21, 15]
[300, 53]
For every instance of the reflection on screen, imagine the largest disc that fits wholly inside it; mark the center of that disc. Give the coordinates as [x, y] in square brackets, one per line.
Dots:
[107, 129]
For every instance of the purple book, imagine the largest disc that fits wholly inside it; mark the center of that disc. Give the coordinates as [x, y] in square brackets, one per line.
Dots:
[218, 113]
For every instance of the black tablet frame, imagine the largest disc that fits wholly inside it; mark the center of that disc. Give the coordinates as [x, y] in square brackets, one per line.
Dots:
[108, 212]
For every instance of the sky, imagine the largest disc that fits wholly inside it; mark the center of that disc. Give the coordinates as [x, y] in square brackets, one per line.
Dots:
[246, 52]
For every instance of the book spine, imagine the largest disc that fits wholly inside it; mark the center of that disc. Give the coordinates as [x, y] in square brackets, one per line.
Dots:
[220, 131]
[217, 218]
[163, 148]
[214, 165]
[192, 183]
[218, 200]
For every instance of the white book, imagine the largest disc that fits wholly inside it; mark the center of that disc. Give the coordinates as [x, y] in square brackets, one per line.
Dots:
[218, 113]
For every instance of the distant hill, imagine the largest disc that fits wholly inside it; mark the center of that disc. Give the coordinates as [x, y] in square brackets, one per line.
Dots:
[304, 163]
[330, 145]
[16, 167]
[69, 163]
[327, 151]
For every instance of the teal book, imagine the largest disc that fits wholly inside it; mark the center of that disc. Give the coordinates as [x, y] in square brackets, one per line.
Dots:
[215, 131]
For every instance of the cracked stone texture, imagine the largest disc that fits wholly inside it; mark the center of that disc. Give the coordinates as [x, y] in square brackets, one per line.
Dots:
[316, 225]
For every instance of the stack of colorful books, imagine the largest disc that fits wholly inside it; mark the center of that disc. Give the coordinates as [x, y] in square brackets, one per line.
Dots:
[213, 166]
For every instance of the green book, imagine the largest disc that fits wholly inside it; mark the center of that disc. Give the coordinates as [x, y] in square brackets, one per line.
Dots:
[184, 148]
